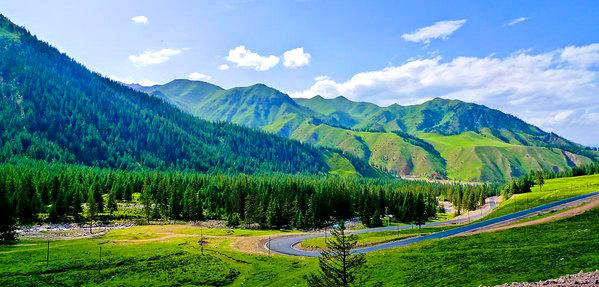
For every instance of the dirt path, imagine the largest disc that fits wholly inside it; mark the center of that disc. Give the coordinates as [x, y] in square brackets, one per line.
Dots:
[563, 214]
[251, 244]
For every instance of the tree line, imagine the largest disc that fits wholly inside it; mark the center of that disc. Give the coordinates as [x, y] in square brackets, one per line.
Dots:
[468, 197]
[525, 183]
[37, 191]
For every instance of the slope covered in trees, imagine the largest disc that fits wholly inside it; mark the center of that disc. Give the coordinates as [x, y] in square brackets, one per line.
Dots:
[437, 139]
[54, 109]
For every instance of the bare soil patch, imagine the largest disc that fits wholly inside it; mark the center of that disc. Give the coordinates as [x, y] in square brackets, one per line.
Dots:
[67, 231]
[251, 244]
[580, 280]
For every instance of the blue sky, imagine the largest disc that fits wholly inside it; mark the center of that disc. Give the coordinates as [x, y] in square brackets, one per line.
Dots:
[538, 60]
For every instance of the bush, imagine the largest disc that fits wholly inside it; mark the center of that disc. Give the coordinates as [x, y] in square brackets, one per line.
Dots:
[233, 219]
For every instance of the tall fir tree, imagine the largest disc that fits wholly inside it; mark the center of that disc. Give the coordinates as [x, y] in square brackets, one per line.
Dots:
[338, 266]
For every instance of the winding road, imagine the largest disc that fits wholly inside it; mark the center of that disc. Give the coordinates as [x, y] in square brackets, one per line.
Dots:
[288, 244]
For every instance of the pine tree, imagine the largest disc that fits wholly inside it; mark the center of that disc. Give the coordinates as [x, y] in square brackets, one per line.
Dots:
[92, 206]
[540, 181]
[95, 188]
[376, 219]
[419, 212]
[338, 267]
[174, 204]
[7, 216]
[76, 206]
[146, 201]
[111, 205]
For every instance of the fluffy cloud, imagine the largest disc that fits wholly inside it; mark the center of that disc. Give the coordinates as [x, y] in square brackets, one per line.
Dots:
[584, 56]
[153, 57]
[140, 20]
[438, 30]
[243, 57]
[128, 80]
[223, 67]
[195, 76]
[515, 21]
[296, 58]
[556, 90]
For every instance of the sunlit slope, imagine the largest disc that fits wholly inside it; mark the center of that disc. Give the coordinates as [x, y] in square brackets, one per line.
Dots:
[553, 190]
[439, 138]
[472, 156]
[387, 151]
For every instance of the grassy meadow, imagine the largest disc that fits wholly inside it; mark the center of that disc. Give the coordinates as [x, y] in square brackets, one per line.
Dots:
[170, 256]
[553, 189]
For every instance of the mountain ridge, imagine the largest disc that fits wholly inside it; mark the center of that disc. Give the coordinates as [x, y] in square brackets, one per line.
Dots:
[401, 139]
[55, 109]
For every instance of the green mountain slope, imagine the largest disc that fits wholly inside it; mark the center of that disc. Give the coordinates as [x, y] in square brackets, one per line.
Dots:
[54, 109]
[436, 139]
[183, 93]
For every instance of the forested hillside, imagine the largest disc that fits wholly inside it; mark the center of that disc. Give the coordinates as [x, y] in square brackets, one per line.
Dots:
[437, 139]
[54, 109]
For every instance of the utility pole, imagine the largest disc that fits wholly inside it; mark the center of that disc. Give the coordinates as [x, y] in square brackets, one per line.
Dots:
[202, 240]
[48, 254]
[268, 245]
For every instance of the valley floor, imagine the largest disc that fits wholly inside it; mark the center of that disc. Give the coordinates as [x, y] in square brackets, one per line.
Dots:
[541, 247]
[171, 255]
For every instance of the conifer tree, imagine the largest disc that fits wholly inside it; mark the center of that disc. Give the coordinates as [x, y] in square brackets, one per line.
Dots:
[146, 201]
[111, 205]
[540, 181]
[338, 267]
[92, 206]
[7, 216]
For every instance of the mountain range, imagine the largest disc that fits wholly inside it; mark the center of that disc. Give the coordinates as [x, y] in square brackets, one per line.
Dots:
[54, 109]
[443, 139]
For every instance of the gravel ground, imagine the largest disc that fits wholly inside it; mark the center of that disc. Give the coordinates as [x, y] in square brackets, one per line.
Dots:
[67, 231]
[579, 280]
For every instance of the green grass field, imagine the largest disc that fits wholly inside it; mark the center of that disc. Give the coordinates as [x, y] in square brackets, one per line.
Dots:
[170, 255]
[516, 255]
[553, 190]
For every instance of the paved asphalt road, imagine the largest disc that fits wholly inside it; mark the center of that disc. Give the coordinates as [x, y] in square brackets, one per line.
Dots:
[287, 244]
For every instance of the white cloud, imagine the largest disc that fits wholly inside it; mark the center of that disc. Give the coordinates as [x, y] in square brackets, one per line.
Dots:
[140, 20]
[153, 57]
[223, 67]
[438, 30]
[195, 76]
[296, 58]
[584, 56]
[144, 82]
[556, 90]
[245, 58]
[515, 21]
